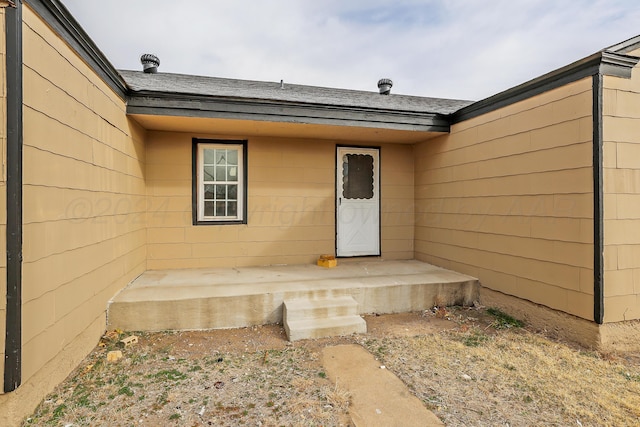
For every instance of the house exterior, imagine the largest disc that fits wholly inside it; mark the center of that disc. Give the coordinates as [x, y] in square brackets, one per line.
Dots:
[107, 174]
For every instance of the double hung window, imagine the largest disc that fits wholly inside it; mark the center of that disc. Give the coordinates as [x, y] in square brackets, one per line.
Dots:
[220, 181]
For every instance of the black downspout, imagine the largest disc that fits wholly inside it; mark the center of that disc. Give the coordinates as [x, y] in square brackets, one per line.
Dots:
[598, 206]
[13, 337]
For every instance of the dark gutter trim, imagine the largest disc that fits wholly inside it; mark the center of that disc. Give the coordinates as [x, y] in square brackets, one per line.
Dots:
[56, 15]
[206, 107]
[13, 334]
[609, 63]
[626, 46]
[598, 205]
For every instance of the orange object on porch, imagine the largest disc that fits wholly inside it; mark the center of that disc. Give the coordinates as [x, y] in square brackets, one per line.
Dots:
[328, 261]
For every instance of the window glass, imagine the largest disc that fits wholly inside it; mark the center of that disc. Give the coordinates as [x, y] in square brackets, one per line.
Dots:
[220, 185]
[357, 176]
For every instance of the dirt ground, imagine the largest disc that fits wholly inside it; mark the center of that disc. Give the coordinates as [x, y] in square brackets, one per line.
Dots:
[470, 366]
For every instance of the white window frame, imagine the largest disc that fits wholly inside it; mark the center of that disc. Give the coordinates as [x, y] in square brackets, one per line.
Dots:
[239, 147]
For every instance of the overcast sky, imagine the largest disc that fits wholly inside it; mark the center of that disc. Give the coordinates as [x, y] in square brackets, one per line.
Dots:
[464, 49]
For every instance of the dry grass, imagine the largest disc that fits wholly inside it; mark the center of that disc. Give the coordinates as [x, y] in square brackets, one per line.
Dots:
[168, 386]
[474, 376]
[470, 367]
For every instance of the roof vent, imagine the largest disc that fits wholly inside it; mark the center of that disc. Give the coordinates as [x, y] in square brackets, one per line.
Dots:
[384, 85]
[150, 63]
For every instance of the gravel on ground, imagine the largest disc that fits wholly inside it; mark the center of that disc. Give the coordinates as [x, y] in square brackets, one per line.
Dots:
[470, 366]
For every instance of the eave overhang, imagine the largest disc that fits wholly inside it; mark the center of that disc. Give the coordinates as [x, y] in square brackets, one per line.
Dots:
[188, 105]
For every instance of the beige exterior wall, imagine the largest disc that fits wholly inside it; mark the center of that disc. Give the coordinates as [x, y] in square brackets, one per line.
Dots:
[291, 192]
[84, 210]
[508, 197]
[621, 175]
[3, 192]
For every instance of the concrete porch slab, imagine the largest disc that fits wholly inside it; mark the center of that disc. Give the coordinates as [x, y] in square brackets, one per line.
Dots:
[238, 297]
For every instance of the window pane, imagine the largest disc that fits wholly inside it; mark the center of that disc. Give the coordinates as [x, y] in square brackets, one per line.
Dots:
[232, 209]
[208, 208]
[232, 173]
[208, 191]
[221, 173]
[221, 157]
[221, 192]
[357, 176]
[233, 192]
[221, 208]
[209, 156]
[232, 157]
[208, 173]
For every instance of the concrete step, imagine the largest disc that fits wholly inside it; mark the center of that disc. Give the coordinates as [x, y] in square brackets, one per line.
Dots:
[307, 318]
[212, 298]
[305, 308]
[328, 327]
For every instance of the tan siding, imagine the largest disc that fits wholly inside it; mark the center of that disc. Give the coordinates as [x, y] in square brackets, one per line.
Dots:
[508, 197]
[84, 201]
[621, 131]
[291, 206]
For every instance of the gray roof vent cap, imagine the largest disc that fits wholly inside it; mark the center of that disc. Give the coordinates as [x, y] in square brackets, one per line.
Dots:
[150, 63]
[384, 85]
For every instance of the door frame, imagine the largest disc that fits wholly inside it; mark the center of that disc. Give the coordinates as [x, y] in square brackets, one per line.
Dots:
[379, 192]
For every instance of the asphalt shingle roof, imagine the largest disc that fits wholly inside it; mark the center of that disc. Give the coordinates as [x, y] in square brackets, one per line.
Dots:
[215, 87]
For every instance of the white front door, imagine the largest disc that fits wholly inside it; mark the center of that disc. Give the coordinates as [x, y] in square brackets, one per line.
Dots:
[357, 201]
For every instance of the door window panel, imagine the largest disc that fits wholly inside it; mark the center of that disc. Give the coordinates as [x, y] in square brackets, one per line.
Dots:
[357, 176]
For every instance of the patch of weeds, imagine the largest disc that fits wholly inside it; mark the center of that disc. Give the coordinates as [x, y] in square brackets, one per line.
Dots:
[475, 339]
[120, 380]
[137, 359]
[432, 402]
[382, 350]
[270, 404]
[126, 390]
[79, 390]
[509, 367]
[195, 368]
[370, 342]
[82, 420]
[162, 400]
[192, 400]
[322, 375]
[588, 353]
[83, 401]
[59, 411]
[168, 375]
[164, 351]
[503, 320]
[175, 416]
[631, 377]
